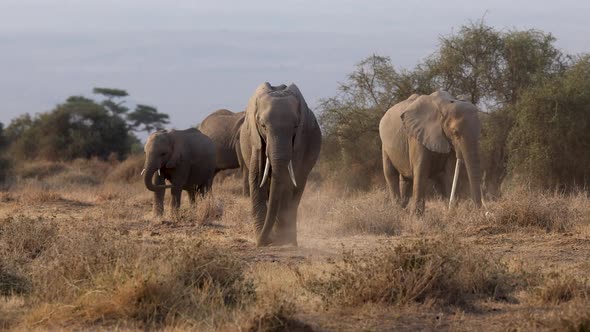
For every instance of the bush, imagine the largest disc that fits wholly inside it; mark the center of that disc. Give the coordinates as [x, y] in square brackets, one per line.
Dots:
[78, 128]
[278, 318]
[561, 287]
[12, 282]
[402, 274]
[549, 143]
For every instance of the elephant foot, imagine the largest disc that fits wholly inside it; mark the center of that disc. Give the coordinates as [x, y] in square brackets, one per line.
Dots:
[263, 242]
[285, 239]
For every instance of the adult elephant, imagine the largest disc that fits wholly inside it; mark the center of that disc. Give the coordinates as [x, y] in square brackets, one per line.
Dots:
[186, 158]
[280, 142]
[419, 135]
[223, 127]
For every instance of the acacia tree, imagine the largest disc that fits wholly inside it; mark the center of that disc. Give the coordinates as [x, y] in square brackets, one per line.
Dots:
[146, 118]
[467, 62]
[110, 104]
[529, 58]
[143, 118]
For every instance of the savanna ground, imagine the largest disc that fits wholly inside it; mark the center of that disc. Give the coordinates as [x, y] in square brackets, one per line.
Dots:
[80, 252]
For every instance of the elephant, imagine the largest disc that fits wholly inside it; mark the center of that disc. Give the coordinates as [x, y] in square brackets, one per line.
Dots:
[280, 143]
[223, 127]
[420, 135]
[186, 158]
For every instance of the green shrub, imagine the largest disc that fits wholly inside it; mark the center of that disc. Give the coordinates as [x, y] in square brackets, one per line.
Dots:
[550, 139]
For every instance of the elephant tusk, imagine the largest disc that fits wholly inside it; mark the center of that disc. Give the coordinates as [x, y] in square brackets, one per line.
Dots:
[142, 171]
[266, 169]
[159, 173]
[455, 179]
[291, 173]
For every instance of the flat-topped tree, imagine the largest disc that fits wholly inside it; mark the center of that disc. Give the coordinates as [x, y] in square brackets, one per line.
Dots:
[111, 95]
[147, 118]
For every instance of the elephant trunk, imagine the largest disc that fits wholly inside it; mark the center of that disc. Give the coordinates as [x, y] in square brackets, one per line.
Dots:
[278, 180]
[279, 157]
[470, 154]
[148, 176]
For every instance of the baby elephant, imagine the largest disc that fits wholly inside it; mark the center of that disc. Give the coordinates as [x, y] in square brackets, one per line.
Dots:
[186, 158]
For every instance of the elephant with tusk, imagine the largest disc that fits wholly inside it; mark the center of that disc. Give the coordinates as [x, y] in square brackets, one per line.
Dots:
[419, 135]
[186, 158]
[280, 142]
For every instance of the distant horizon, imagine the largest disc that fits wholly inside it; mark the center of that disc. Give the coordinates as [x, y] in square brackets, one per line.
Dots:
[191, 59]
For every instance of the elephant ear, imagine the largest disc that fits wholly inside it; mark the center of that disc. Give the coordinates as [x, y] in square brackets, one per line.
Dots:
[305, 116]
[176, 146]
[422, 121]
[250, 120]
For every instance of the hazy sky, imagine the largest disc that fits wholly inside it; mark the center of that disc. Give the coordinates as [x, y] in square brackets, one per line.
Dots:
[190, 58]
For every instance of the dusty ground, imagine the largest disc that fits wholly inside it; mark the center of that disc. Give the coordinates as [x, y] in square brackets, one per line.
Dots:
[330, 223]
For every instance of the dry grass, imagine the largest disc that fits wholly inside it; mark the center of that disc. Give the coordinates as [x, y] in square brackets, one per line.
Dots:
[522, 210]
[561, 287]
[343, 213]
[127, 171]
[573, 317]
[98, 277]
[418, 272]
[277, 318]
[40, 169]
[85, 254]
[208, 210]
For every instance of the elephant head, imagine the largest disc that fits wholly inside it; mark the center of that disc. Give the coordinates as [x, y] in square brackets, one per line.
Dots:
[159, 153]
[440, 122]
[276, 119]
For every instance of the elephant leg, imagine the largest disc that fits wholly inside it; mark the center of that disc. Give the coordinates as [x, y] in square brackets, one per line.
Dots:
[246, 183]
[419, 187]
[439, 185]
[391, 177]
[405, 192]
[158, 207]
[258, 196]
[192, 195]
[175, 201]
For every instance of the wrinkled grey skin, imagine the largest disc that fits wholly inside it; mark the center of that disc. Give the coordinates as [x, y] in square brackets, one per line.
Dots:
[186, 158]
[223, 127]
[278, 126]
[420, 138]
